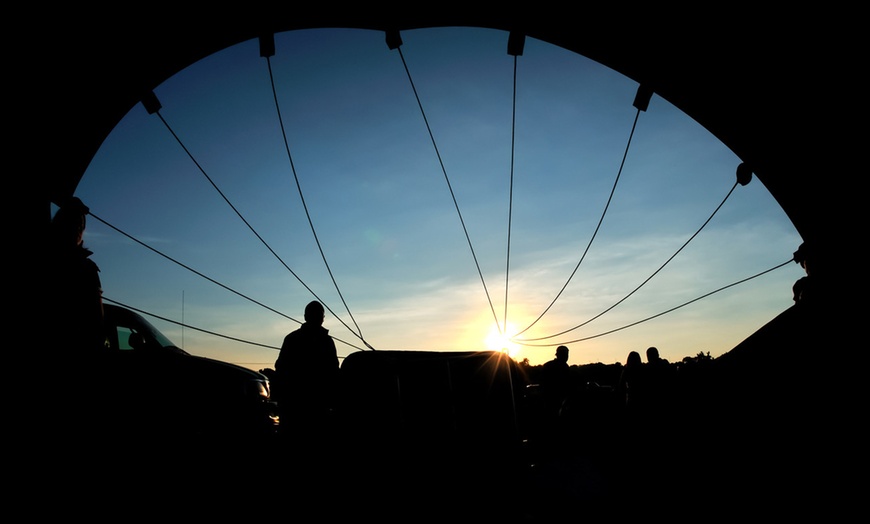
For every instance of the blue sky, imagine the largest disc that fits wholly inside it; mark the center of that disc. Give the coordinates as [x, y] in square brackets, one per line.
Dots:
[375, 188]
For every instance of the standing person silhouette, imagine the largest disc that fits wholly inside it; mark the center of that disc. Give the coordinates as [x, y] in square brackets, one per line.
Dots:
[556, 378]
[659, 382]
[306, 375]
[659, 401]
[76, 353]
[555, 390]
[631, 385]
[76, 308]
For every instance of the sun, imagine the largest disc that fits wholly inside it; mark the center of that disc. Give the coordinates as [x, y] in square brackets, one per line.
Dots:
[498, 341]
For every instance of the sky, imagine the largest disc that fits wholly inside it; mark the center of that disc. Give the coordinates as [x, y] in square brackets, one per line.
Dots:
[453, 190]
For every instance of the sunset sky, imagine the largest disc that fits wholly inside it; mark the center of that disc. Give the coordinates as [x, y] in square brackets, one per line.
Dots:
[414, 182]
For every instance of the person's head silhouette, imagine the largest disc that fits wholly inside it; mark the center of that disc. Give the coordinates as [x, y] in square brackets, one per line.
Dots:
[652, 354]
[314, 313]
[562, 353]
[68, 223]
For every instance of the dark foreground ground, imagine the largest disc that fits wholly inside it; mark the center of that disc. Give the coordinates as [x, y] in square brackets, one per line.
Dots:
[756, 459]
[781, 439]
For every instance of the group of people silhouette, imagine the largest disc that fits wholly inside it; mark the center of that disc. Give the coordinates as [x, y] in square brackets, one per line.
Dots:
[641, 387]
[592, 428]
[645, 386]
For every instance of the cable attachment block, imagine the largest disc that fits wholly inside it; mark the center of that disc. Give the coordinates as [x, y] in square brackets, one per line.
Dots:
[151, 103]
[641, 99]
[267, 45]
[516, 42]
[394, 39]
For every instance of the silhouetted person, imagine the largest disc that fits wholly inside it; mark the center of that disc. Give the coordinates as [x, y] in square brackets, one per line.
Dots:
[555, 388]
[659, 404]
[799, 289]
[76, 302]
[556, 378]
[306, 376]
[653, 357]
[76, 350]
[659, 382]
[631, 467]
[631, 385]
[812, 287]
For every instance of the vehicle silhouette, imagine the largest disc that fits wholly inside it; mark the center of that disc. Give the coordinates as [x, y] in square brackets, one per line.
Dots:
[154, 387]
